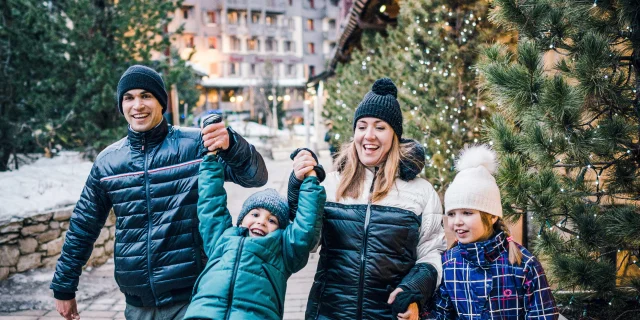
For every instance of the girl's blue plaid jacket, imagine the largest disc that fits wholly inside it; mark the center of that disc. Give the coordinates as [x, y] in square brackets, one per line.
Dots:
[479, 282]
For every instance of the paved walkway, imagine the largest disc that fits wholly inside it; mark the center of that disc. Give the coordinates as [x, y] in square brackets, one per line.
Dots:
[112, 304]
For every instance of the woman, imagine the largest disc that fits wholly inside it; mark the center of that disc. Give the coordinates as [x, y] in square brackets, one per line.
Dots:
[382, 232]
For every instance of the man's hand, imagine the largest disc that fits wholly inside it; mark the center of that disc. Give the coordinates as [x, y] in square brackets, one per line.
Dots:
[68, 309]
[215, 137]
[303, 165]
[412, 312]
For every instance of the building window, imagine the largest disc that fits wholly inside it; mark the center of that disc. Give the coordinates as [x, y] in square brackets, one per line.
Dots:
[288, 46]
[271, 20]
[291, 24]
[189, 41]
[252, 69]
[213, 69]
[235, 43]
[291, 69]
[253, 44]
[211, 17]
[312, 4]
[271, 44]
[290, 3]
[234, 69]
[232, 17]
[312, 71]
[213, 43]
[332, 45]
[185, 12]
[332, 24]
[310, 24]
[311, 48]
[255, 17]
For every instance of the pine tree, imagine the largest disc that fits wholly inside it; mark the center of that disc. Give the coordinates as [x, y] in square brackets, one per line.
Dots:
[35, 70]
[430, 55]
[106, 38]
[567, 136]
[61, 64]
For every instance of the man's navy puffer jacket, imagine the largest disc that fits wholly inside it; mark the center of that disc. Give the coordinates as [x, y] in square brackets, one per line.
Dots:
[150, 180]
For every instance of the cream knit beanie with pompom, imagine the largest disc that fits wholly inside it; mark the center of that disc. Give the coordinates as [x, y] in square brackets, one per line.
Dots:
[474, 187]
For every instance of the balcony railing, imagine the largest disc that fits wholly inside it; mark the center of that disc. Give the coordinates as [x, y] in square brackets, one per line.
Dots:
[256, 29]
[276, 5]
[270, 31]
[330, 35]
[241, 4]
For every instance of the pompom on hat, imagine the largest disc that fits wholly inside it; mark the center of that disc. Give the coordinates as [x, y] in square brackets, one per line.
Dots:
[382, 103]
[474, 187]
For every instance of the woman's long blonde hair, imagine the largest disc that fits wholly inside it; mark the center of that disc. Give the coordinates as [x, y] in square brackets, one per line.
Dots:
[352, 171]
[515, 255]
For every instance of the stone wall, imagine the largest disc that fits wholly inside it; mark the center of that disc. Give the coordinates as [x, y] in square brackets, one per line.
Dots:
[37, 241]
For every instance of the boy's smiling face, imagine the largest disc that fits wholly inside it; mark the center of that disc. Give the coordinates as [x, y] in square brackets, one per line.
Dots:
[260, 222]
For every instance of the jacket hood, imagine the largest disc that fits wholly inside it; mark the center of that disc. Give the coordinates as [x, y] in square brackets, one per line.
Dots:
[410, 165]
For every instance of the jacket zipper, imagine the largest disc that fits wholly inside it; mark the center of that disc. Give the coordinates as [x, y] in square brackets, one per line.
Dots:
[363, 253]
[146, 183]
[233, 278]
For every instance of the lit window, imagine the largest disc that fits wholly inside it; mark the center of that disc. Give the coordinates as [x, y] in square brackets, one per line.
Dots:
[213, 43]
[211, 17]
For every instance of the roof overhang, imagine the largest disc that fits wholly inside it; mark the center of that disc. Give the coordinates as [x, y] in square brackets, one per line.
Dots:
[363, 15]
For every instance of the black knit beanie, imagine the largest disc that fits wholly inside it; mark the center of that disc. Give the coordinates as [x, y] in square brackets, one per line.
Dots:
[142, 77]
[382, 103]
[270, 200]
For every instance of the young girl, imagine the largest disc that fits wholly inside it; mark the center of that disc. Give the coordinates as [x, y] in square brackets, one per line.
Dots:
[246, 275]
[486, 275]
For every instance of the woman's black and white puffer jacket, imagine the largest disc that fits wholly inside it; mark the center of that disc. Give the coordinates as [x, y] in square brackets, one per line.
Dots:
[367, 250]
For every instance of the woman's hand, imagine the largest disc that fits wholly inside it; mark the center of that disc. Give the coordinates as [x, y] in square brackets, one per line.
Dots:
[412, 312]
[303, 165]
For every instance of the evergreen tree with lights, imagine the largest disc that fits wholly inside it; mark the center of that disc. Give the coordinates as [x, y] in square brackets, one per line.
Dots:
[567, 135]
[430, 55]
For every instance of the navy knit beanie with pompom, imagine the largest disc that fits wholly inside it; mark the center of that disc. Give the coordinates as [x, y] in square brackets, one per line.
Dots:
[382, 103]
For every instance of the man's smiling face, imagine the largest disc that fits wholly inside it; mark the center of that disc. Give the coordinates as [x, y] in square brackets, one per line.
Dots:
[141, 110]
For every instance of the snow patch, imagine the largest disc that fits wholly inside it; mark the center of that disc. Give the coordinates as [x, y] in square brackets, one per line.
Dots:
[43, 185]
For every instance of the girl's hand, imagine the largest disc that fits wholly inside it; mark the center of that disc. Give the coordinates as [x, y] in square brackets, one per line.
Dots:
[303, 165]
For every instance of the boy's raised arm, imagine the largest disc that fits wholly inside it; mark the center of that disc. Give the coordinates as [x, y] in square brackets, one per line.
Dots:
[300, 237]
[212, 202]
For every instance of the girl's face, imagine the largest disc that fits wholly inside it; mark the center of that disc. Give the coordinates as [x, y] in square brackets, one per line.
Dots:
[373, 138]
[260, 222]
[468, 226]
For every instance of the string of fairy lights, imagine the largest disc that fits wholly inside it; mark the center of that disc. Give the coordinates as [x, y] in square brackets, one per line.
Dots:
[430, 48]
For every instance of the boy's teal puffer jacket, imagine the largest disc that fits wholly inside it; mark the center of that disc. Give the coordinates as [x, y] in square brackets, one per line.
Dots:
[245, 277]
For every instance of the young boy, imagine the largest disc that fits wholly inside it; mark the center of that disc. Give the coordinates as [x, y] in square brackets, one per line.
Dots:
[246, 275]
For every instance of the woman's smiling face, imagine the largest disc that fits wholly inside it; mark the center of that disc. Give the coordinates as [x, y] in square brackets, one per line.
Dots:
[373, 138]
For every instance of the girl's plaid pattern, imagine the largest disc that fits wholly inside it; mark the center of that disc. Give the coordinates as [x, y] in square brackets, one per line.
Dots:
[479, 282]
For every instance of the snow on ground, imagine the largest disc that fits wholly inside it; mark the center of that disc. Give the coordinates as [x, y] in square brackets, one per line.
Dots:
[252, 129]
[42, 185]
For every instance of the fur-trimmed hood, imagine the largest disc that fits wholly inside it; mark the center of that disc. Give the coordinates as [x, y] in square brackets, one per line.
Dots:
[410, 166]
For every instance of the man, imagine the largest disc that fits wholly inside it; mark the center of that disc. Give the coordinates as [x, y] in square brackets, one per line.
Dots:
[150, 179]
[328, 138]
